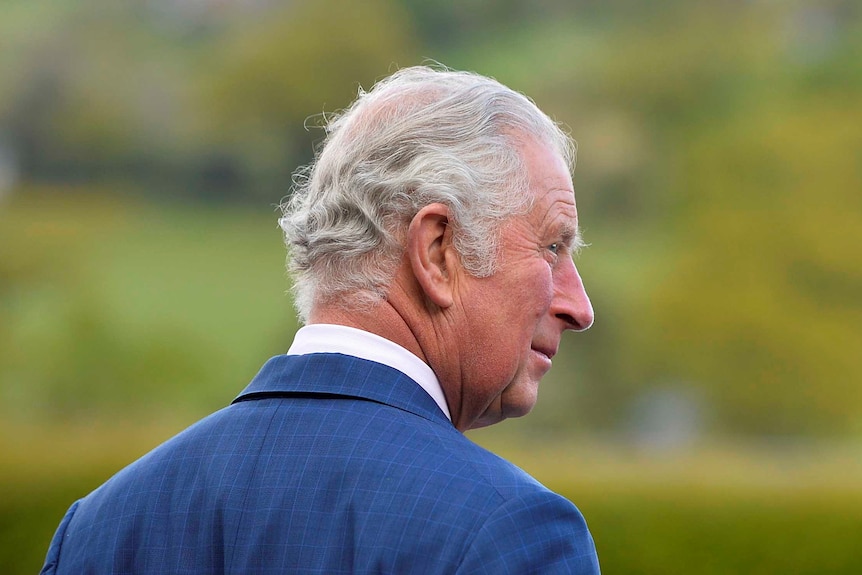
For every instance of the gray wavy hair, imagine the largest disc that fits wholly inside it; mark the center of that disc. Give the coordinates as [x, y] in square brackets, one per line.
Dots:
[420, 136]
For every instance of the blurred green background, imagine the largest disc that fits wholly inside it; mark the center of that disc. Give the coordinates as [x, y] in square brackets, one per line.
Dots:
[710, 421]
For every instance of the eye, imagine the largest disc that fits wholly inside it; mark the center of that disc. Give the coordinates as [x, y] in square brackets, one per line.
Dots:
[554, 248]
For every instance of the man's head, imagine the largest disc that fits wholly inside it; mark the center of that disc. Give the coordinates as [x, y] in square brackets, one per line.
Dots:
[420, 136]
[444, 200]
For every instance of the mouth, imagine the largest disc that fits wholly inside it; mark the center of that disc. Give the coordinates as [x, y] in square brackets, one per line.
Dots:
[548, 352]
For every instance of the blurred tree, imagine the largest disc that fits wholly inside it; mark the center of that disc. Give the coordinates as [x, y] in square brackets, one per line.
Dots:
[762, 306]
[270, 76]
[92, 98]
[756, 301]
[191, 102]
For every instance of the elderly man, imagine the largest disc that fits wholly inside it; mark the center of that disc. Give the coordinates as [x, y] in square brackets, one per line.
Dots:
[431, 248]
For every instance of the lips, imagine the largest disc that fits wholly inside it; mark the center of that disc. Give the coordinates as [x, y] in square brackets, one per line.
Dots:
[547, 351]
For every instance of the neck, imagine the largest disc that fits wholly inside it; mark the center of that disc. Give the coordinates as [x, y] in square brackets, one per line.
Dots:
[403, 317]
[383, 320]
[408, 319]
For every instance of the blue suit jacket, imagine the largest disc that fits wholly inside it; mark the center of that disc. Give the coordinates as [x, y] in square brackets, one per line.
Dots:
[324, 464]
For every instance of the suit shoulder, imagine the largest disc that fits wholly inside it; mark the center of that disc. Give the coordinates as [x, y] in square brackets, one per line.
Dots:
[505, 477]
[532, 532]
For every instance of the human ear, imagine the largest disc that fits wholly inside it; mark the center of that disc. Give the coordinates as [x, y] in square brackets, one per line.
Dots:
[429, 239]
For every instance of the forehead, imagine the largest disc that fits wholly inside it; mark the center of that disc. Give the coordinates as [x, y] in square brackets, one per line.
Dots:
[549, 180]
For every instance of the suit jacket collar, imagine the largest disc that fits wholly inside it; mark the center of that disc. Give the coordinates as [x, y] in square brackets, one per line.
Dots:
[335, 374]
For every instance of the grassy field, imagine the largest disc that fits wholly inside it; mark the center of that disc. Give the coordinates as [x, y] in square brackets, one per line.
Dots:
[111, 303]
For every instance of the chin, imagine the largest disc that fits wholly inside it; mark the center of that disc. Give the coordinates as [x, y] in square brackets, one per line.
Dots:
[508, 411]
[517, 410]
[521, 405]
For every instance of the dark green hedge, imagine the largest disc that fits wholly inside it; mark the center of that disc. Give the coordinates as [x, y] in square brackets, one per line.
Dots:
[706, 531]
[645, 530]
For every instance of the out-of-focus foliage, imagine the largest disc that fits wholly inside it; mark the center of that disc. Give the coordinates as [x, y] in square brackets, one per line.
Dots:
[268, 78]
[199, 101]
[762, 292]
[116, 309]
[768, 283]
[718, 181]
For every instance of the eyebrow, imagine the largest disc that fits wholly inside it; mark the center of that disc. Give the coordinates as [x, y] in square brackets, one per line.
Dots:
[571, 236]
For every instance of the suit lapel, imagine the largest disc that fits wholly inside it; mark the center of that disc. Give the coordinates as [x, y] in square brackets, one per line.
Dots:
[334, 374]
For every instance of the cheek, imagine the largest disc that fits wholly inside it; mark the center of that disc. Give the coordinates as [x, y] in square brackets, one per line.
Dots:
[537, 283]
[526, 307]
[542, 289]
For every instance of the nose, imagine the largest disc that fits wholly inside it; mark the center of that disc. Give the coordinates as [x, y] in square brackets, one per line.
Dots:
[571, 304]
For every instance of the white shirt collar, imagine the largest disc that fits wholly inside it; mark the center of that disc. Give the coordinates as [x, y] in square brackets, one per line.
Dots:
[330, 338]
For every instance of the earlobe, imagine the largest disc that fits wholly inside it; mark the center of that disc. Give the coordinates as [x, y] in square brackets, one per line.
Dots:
[429, 238]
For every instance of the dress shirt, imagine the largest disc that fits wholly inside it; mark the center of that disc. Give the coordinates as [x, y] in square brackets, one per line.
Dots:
[330, 338]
